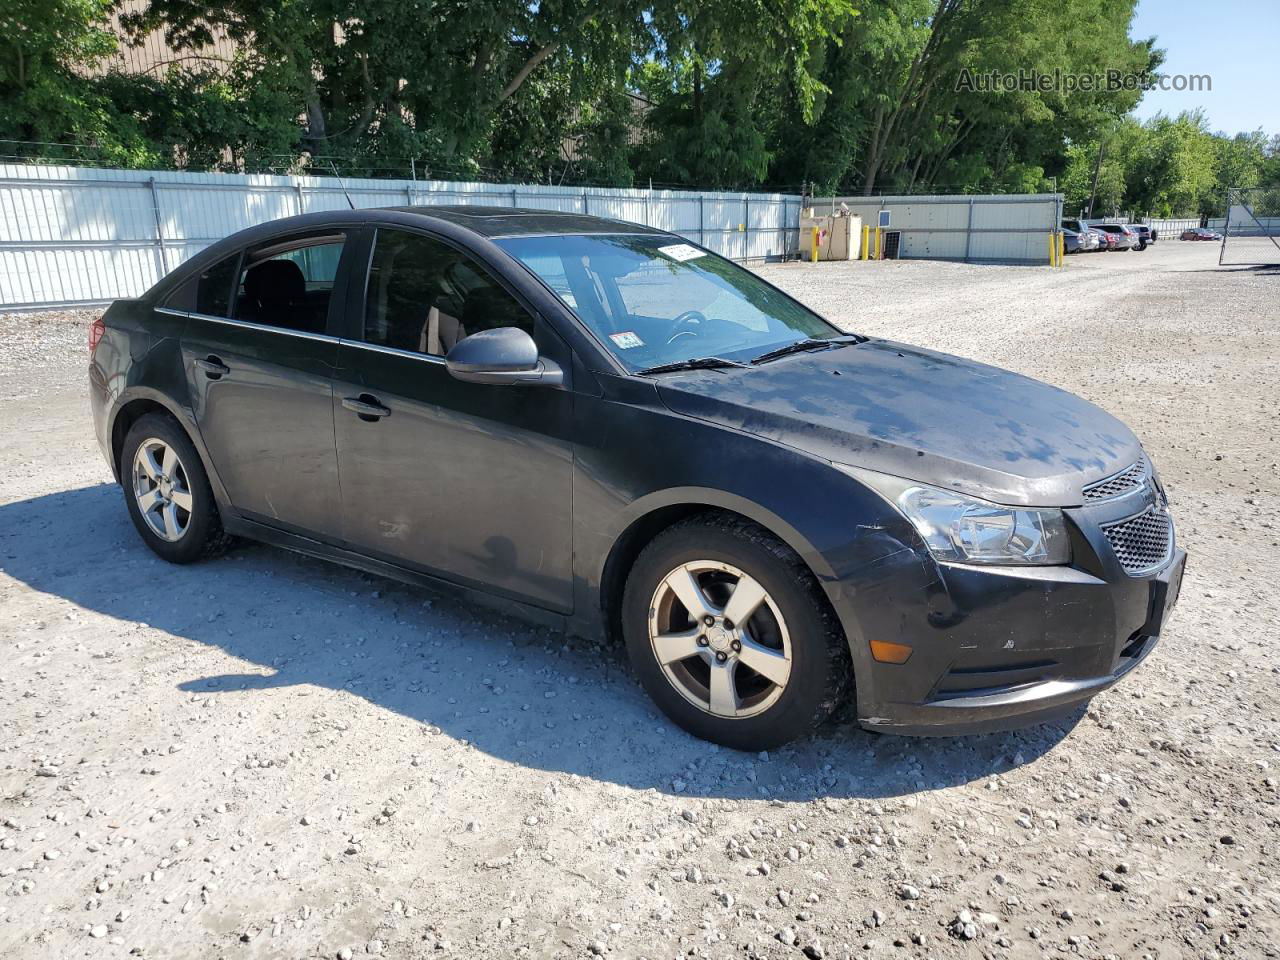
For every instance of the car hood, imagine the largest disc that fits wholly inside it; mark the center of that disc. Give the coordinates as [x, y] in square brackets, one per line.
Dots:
[918, 414]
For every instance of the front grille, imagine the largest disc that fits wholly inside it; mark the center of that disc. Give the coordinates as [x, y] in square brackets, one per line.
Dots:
[1117, 484]
[1142, 542]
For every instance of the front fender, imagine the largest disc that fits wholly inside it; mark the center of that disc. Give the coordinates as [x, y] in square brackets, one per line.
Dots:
[713, 498]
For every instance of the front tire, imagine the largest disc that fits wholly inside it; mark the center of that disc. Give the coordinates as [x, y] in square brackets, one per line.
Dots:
[730, 634]
[167, 492]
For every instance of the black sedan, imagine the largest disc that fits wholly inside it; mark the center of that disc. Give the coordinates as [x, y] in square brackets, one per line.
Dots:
[610, 429]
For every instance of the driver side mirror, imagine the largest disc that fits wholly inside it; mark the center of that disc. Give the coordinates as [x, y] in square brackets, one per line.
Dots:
[501, 355]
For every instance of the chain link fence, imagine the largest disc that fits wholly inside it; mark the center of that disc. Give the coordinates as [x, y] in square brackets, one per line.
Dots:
[1251, 231]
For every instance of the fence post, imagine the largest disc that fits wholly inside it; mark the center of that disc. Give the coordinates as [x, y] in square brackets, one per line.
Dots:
[515, 198]
[586, 210]
[968, 232]
[161, 268]
[408, 193]
[302, 203]
[746, 224]
[702, 232]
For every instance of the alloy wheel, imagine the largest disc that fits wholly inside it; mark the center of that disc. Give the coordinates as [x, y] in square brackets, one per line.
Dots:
[162, 490]
[720, 639]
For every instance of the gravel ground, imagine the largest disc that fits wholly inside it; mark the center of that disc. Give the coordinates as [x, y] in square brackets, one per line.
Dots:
[270, 756]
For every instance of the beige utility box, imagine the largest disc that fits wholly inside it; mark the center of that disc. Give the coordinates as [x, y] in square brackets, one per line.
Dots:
[839, 236]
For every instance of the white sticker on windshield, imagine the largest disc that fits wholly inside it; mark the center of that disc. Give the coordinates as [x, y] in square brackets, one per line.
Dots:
[681, 252]
[626, 340]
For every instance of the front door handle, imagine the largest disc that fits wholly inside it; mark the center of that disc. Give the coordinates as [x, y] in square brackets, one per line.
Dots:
[213, 367]
[366, 407]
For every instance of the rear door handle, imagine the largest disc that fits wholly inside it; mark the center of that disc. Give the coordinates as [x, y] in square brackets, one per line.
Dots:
[366, 407]
[213, 367]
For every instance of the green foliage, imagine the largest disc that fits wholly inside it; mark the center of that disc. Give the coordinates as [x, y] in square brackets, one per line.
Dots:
[42, 98]
[839, 95]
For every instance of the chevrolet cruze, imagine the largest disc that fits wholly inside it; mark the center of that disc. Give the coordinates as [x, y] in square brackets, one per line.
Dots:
[610, 429]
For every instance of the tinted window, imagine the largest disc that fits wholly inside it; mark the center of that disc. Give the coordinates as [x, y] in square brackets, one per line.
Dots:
[208, 292]
[425, 296]
[289, 283]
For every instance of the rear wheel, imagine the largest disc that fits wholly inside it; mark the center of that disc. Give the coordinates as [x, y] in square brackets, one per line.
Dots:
[729, 633]
[167, 491]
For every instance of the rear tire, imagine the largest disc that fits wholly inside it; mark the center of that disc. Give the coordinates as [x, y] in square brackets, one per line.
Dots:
[692, 663]
[167, 492]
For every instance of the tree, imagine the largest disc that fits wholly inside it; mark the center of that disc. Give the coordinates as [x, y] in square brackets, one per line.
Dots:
[715, 81]
[45, 95]
[429, 79]
[689, 92]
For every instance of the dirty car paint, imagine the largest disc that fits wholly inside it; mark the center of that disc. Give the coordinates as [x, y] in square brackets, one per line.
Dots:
[918, 414]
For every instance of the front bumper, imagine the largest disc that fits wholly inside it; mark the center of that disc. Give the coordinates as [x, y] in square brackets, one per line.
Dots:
[1002, 648]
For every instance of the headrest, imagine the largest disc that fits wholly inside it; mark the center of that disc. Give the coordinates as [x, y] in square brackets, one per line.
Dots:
[276, 281]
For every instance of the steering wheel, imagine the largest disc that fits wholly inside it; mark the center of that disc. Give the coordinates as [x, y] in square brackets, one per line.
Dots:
[686, 319]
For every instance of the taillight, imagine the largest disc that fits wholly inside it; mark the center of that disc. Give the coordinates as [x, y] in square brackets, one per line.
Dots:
[97, 330]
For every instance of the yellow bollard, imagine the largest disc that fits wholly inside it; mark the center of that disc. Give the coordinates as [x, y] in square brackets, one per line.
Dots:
[866, 239]
[878, 250]
[813, 246]
[1053, 249]
[1062, 249]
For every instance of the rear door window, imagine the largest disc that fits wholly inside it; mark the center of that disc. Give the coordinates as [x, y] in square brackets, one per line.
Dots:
[289, 282]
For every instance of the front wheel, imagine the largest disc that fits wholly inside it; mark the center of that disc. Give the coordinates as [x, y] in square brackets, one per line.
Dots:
[731, 636]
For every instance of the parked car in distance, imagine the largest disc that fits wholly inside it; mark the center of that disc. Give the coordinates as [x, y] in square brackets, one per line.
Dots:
[1086, 240]
[611, 430]
[1200, 233]
[1106, 241]
[1071, 241]
[1124, 238]
[1142, 232]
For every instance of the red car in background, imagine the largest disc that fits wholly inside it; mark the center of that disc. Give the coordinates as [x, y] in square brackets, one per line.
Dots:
[1200, 233]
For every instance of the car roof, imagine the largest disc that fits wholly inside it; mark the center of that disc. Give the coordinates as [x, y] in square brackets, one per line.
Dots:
[518, 221]
[485, 221]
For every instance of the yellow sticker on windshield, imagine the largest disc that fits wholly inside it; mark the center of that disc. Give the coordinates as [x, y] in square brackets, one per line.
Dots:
[681, 252]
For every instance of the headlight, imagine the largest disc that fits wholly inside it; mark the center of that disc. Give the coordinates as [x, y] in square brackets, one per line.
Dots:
[965, 529]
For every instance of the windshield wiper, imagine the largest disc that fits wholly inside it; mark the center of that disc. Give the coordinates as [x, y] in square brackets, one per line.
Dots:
[807, 344]
[697, 363]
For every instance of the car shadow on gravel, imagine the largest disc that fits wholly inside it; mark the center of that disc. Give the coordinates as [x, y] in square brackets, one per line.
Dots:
[523, 694]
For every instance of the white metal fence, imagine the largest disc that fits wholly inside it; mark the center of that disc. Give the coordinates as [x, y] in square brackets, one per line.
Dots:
[1171, 228]
[999, 228]
[77, 236]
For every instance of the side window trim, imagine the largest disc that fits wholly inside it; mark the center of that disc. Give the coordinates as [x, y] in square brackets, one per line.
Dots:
[394, 351]
[250, 325]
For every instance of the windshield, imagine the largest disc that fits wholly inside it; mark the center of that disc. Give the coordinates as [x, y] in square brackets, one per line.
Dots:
[654, 300]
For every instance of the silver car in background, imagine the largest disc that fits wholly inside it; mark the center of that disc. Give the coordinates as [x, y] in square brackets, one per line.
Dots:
[1086, 240]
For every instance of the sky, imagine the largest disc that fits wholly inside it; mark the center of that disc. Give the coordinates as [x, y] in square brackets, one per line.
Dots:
[1236, 42]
